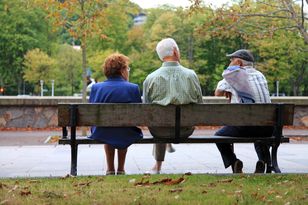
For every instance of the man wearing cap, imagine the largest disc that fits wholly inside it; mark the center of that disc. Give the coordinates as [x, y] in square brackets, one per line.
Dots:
[242, 83]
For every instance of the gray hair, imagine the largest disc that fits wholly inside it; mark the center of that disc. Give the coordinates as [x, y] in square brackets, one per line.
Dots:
[247, 63]
[165, 48]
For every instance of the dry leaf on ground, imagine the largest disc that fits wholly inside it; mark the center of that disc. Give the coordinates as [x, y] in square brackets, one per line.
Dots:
[52, 139]
[175, 190]
[33, 181]
[225, 181]
[82, 184]
[25, 192]
[176, 181]
[13, 189]
[2, 186]
[51, 194]
[165, 181]
[5, 201]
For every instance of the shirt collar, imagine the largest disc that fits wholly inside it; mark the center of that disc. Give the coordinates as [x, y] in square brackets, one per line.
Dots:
[170, 63]
[115, 78]
[248, 67]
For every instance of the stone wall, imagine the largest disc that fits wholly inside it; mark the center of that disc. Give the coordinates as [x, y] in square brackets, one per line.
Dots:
[41, 112]
[35, 112]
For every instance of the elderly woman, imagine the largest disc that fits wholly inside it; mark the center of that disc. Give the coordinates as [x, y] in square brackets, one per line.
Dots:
[116, 89]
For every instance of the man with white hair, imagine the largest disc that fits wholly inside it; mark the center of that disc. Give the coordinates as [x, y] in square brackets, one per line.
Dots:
[170, 84]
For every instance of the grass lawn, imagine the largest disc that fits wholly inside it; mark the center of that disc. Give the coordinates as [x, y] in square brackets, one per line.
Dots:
[158, 189]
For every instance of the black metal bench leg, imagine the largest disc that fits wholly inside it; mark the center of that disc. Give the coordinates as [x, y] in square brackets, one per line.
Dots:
[74, 151]
[269, 168]
[274, 158]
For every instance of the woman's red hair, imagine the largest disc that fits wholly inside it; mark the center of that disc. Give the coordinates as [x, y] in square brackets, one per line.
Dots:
[116, 65]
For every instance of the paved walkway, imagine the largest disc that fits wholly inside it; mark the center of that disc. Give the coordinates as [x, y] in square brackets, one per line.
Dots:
[35, 159]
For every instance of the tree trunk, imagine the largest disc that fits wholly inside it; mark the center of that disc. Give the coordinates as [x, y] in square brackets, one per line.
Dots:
[84, 71]
[84, 53]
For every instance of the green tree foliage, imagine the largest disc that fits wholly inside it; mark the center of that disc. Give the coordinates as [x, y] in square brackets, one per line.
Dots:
[69, 70]
[38, 66]
[275, 31]
[119, 18]
[81, 19]
[22, 28]
[262, 27]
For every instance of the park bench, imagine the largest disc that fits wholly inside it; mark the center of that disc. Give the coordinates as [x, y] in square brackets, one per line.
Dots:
[126, 115]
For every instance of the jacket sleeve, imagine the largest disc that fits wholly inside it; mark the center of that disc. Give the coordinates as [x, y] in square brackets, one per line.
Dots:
[137, 97]
[92, 94]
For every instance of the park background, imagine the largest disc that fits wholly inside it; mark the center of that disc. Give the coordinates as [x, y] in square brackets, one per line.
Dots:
[66, 40]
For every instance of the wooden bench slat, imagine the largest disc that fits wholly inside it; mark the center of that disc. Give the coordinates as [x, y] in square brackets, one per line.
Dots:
[115, 115]
[234, 114]
[193, 139]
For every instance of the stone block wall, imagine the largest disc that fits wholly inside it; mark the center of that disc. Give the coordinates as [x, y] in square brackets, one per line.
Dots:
[36, 117]
[41, 112]
[34, 112]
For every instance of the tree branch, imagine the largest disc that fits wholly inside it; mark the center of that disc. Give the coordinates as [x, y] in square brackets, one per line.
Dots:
[303, 15]
[268, 4]
[267, 16]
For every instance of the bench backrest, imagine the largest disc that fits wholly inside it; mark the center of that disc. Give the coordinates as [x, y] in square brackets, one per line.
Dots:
[115, 115]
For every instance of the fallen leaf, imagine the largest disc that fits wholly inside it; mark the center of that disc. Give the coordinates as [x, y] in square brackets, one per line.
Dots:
[13, 189]
[262, 198]
[177, 181]
[82, 184]
[2, 186]
[142, 183]
[52, 139]
[175, 190]
[163, 181]
[225, 181]
[25, 192]
[34, 181]
[254, 194]
[272, 192]
[100, 179]
[6, 201]
[50, 194]
[212, 185]
[238, 192]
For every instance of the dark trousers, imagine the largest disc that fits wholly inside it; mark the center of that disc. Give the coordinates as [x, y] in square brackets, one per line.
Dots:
[262, 149]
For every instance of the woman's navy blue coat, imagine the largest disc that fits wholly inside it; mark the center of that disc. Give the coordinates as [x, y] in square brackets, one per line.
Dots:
[116, 90]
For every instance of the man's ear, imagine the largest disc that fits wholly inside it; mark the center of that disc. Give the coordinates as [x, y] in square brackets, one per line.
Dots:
[238, 62]
[241, 63]
[176, 53]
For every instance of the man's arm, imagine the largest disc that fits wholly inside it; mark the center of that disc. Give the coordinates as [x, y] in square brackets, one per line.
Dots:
[223, 89]
[145, 92]
[197, 88]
